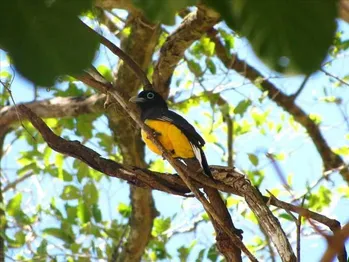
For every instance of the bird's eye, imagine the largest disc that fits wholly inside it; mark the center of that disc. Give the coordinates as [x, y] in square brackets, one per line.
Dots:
[150, 95]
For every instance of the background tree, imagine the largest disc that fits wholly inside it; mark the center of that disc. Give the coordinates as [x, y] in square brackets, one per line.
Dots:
[61, 201]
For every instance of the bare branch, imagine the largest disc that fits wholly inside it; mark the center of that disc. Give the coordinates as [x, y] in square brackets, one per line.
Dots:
[191, 29]
[17, 181]
[330, 159]
[170, 183]
[55, 107]
[335, 244]
[139, 45]
[119, 4]
[126, 58]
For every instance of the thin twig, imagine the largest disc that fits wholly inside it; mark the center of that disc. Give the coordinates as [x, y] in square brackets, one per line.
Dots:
[335, 77]
[127, 59]
[16, 182]
[14, 104]
[300, 89]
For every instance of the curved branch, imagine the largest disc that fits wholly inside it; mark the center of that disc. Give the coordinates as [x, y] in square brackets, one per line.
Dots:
[55, 107]
[126, 58]
[193, 26]
[330, 159]
[119, 4]
[170, 183]
[139, 45]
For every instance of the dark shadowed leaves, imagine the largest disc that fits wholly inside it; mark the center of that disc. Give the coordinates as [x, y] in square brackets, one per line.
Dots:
[162, 11]
[290, 36]
[45, 41]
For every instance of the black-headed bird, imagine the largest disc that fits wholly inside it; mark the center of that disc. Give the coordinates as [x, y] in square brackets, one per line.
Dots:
[180, 138]
[175, 133]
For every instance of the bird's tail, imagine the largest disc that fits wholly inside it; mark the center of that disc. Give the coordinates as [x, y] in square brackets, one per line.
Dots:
[204, 164]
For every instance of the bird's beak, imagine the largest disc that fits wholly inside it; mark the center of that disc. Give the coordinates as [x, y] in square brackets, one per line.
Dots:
[136, 99]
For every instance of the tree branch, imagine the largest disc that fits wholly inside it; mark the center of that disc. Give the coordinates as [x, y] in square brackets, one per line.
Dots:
[169, 183]
[55, 107]
[193, 26]
[139, 46]
[122, 55]
[330, 159]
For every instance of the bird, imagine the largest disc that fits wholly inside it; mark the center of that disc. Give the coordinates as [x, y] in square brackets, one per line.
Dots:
[173, 131]
[181, 139]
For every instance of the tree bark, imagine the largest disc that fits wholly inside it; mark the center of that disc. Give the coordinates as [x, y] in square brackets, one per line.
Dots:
[139, 45]
[3, 133]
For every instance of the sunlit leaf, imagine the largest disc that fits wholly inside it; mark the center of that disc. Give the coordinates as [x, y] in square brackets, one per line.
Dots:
[70, 192]
[124, 210]
[90, 193]
[254, 159]
[161, 225]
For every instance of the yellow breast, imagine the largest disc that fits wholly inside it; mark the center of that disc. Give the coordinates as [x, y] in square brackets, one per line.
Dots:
[170, 137]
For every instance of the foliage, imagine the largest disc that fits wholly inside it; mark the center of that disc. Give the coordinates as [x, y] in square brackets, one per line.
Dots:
[59, 44]
[47, 40]
[64, 209]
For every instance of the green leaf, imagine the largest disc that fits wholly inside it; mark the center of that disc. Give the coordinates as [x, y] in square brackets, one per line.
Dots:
[254, 159]
[212, 253]
[59, 165]
[161, 225]
[71, 213]
[211, 66]
[14, 205]
[184, 251]
[344, 151]
[124, 210]
[20, 238]
[83, 212]
[163, 11]
[84, 125]
[200, 255]
[241, 108]
[96, 212]
[83, 170]
[320, 199]
[58, 233]
[290, 36]
[45, 41]
[228, 39]
[195, 68]
[105, 141]
[42, 249]
[90, 193]
[259, 117]
[316, 118]
[106, 72]
[286, 216]
[232, 201]
[70, 192]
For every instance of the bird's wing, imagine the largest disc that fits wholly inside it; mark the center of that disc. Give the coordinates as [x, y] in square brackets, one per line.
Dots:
[180, 122]
[195, 139]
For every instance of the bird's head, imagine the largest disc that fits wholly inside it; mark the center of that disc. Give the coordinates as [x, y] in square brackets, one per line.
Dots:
[148, 100]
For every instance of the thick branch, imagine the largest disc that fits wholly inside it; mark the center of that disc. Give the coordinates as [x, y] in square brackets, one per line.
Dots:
[186, 175]
[119, 4]
[3, 133]
[139, 46]
[170, 183]
[330, 159]
[55, 107]
[191, 29]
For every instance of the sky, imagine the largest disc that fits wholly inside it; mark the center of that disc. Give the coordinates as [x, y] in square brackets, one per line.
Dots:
[301, 160]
